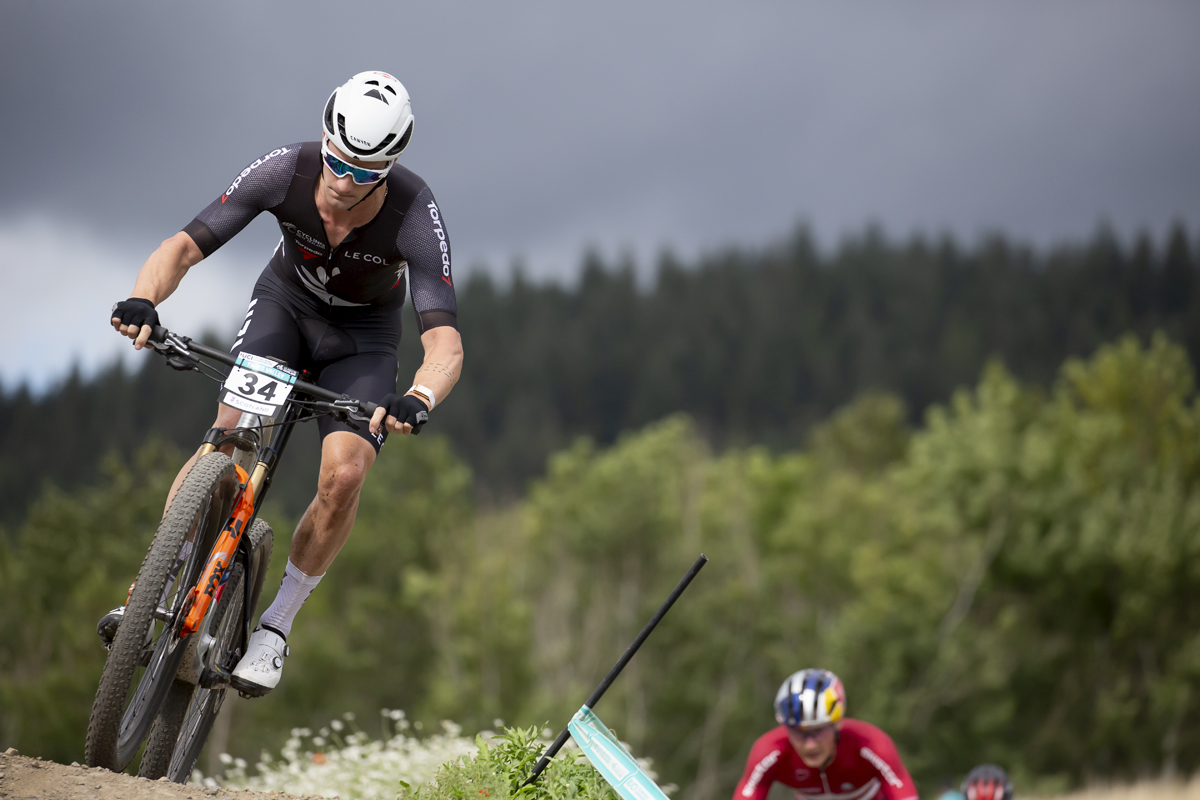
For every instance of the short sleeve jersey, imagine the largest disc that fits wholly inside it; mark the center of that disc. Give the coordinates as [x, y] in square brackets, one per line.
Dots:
[866, 766]
[406, 239]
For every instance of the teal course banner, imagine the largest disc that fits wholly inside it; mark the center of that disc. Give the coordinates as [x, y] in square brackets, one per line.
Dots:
[613, 761]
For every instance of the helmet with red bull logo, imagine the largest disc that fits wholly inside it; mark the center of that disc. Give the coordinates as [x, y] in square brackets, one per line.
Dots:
[809, 698]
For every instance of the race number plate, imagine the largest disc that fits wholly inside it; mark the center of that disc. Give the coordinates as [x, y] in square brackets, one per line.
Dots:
[258, 385]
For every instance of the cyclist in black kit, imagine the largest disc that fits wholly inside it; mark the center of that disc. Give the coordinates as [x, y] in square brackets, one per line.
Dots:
[358, 231]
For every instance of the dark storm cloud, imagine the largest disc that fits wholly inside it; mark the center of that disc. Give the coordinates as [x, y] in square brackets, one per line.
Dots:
[542, 127]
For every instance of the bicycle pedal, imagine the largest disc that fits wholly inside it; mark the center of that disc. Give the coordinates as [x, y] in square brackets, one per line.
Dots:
[246, 689]
[108, 625]
[214, 676]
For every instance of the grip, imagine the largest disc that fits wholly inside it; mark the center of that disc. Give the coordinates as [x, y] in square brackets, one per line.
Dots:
[158, 334]
[369, 409]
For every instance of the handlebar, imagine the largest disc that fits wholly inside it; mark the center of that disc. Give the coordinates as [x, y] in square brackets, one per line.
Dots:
[166, 342]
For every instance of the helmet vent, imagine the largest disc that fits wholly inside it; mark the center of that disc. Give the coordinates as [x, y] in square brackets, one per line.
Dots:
[375, 93]
[403, 143]
[329, 113]
[372, 83]
[390, 89]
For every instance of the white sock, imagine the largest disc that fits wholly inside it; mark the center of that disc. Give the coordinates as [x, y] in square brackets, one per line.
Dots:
[293, 591]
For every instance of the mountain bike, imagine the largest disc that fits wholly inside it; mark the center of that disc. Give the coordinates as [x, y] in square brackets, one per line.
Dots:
[187, 617]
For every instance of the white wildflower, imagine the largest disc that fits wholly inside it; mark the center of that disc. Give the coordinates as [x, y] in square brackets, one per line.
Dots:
[359, 769]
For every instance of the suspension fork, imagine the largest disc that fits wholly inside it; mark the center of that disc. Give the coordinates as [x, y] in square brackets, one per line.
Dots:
[216, 571]
[269, 456]
[264, 470]
[245, 509]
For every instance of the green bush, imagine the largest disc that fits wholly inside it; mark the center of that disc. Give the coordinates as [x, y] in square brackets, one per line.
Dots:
[498, 771]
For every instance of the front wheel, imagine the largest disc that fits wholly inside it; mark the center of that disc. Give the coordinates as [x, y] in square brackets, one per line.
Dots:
[147, 649]
[178, 737]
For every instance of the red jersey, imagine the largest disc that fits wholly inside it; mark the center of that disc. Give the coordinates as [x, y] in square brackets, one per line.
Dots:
[866, 766]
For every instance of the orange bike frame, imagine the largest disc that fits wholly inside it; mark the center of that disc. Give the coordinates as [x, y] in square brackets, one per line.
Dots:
[216, 571]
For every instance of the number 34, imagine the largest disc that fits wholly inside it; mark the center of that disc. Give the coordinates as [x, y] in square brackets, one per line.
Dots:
[266, 391]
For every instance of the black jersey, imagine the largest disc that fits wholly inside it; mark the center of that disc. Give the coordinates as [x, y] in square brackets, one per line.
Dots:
[369, 268]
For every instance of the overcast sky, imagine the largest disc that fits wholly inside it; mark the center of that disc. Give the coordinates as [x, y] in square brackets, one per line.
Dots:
[543, 128]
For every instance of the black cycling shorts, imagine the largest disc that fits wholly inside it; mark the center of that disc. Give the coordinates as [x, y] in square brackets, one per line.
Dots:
[348, 350]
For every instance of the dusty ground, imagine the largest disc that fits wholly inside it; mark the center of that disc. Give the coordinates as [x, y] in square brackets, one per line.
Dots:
[23, 778]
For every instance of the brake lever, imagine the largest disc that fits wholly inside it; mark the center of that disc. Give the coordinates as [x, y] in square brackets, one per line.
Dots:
[342, 411]
[362, 411]
[175, 349]
[329, 408]
[163, 341]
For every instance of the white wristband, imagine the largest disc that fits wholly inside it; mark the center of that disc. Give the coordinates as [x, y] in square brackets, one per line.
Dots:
[423, 392]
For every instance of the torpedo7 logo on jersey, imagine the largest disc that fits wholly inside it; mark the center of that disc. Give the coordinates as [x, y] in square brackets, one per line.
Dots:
[441, 235]
[258, 162]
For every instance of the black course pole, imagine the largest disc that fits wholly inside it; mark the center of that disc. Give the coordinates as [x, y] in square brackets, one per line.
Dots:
[620, 665]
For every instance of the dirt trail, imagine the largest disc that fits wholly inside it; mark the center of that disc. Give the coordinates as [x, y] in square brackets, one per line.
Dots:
[23, 778]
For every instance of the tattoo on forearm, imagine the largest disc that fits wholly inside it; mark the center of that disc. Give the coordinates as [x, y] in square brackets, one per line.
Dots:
[437, 368]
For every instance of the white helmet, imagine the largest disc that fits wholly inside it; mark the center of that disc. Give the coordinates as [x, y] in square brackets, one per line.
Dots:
[809, 698]
[369, 117]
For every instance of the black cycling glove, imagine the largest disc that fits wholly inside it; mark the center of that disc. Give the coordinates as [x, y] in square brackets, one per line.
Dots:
[135, 311]
[406, 408]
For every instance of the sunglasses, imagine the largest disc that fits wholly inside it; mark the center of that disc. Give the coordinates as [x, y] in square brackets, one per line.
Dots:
[810, 733]
[360, 175]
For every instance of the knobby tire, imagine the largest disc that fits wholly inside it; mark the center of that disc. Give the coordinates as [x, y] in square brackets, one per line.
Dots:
[199, 510]
[188, 715]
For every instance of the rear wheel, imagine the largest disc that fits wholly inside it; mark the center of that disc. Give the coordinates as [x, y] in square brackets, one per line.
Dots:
[147, 651]
[156, 758]
[176, 741]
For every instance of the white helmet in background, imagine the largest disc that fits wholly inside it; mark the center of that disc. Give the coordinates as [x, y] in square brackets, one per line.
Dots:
[369, 117]
[811, 697]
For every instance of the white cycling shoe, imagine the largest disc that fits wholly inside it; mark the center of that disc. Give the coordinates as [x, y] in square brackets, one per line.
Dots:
[260, 669]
